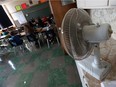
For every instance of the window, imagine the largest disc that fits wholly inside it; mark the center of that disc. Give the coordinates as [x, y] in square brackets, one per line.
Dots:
[66, 2]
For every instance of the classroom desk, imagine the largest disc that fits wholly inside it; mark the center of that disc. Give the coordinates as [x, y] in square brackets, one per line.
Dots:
[4, 36]
[39, 30]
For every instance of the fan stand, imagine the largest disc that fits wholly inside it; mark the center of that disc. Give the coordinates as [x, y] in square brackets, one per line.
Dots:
[94, 66]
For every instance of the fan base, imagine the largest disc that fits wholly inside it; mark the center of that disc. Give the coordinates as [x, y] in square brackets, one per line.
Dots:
[98, 73]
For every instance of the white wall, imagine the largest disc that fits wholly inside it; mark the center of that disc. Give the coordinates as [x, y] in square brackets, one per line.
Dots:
[10, 9]
[11, 5]
[105, 16]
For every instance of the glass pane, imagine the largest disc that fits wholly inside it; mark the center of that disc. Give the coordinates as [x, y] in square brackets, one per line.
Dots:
[65, 2]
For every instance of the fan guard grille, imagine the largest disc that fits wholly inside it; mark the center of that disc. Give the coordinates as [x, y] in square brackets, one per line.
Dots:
[72, 36]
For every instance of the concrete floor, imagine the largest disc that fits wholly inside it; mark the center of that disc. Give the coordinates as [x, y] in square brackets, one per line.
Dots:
[42, 68]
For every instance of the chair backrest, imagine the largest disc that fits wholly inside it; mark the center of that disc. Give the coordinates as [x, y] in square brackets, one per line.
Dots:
[16, 41]
[31, 37]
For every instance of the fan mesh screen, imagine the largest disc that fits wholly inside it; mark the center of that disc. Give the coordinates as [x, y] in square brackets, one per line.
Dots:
[72, 36]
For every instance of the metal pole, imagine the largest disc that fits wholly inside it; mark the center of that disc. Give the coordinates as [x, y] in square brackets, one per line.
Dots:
[97, 63]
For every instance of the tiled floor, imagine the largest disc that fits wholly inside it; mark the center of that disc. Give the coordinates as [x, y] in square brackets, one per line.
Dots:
[43, 68]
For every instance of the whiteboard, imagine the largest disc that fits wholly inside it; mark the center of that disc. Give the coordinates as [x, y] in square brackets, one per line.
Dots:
[19, 16]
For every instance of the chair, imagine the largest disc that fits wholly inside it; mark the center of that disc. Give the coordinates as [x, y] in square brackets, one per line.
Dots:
[15, 40]
[50, 37]
[17, 43]
[33, 38]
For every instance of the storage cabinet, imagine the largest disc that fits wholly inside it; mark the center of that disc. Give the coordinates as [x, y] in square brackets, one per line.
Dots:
[112, 2]
[91, 4]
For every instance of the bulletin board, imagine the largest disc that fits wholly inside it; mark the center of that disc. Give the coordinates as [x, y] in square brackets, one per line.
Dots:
[39, 10]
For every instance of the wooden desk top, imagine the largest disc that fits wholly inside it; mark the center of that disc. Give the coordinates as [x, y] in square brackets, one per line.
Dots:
[39, 30]
[22, 33]
[4, 36]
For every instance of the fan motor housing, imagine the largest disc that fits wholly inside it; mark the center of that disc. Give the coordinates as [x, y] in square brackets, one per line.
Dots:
[96, 33]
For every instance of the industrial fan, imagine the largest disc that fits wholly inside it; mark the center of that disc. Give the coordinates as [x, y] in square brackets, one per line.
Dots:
[81, 39]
